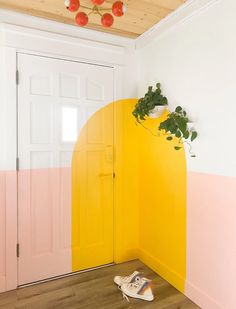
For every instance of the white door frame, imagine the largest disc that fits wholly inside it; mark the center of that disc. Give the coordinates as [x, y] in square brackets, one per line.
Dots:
[17, 39]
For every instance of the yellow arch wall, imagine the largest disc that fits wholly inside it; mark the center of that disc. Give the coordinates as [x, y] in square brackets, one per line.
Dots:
[162, 205]
[150, 197]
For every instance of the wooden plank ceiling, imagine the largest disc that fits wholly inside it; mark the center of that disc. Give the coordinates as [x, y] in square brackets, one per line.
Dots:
[140, 16]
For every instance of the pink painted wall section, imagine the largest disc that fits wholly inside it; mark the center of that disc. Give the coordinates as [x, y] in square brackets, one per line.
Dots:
[44, 256]
[44, 218]
[8, 230]
[211, 241]
[2, 232]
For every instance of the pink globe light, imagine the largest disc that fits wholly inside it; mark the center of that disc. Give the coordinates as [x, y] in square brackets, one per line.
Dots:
[81, 19]
[107, 20]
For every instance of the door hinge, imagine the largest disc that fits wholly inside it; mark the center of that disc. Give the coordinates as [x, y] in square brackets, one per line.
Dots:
[17, 77]
[114, 175]
[17, 250]
[17, 164]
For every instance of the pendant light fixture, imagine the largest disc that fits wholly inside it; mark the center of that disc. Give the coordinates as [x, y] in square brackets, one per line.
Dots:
[118, 9]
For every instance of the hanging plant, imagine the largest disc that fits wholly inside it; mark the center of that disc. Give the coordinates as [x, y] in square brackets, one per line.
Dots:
[152, 103]
[177, 124]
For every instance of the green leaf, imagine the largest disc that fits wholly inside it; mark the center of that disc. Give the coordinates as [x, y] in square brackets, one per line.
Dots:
[182, 124]
[164, 101]
[193, 136]
[178, 109]
[173, 128]
[186, 134]
[169, 138]
[177, 148]
[178, 134]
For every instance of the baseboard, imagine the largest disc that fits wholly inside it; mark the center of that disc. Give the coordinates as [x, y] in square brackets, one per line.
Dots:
[163, 270]
[174, 278]
[129, 255]
[200, 298]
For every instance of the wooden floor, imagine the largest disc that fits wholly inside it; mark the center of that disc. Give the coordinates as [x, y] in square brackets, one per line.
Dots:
[95, 290]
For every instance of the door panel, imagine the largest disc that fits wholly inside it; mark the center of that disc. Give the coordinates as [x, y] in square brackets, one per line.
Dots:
[55, 99]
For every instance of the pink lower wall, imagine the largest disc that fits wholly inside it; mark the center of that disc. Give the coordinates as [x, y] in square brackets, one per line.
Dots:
[211, 237]
[44, 223]
[211, 241]
[8, 230]
[2, 232]
[53, 186]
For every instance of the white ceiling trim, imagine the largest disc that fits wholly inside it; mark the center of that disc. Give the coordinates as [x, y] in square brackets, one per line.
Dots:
[185, 12]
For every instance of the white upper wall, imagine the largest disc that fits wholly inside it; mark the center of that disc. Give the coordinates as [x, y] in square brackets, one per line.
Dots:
[195, 61]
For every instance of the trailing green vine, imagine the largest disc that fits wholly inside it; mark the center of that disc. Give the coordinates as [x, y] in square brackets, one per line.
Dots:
[176, 125]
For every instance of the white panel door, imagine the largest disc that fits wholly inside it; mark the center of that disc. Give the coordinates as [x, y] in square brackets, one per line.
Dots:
[53, 104]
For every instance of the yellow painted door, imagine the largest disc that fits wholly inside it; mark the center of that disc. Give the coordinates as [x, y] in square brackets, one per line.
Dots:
[92, 188]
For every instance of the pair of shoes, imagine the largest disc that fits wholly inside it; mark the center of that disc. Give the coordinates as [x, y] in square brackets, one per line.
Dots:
[135, 286]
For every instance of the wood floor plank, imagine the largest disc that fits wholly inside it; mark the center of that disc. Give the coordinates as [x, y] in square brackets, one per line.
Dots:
[95, 290]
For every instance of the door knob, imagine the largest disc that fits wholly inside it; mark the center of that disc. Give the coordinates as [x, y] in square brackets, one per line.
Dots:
[105, 174]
